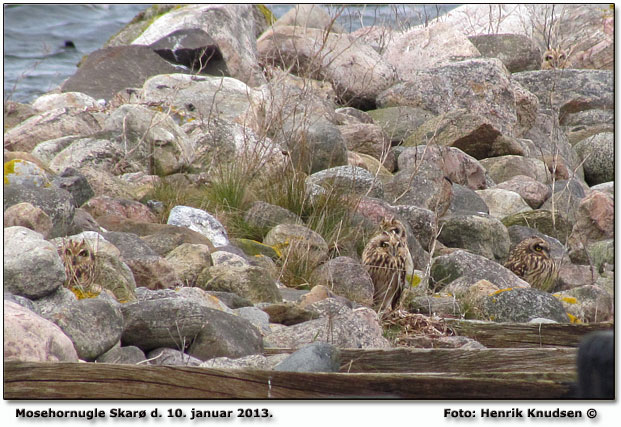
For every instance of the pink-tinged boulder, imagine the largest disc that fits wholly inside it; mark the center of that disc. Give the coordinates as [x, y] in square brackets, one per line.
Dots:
[130, 209]
[595, 220]
[503, 168]
[471, 133]
[532, 191]
[570, 91]
[366, 138]
[373, 210]
[376, 36]
[516, 51]
[458, 166]
[309, 16]
[357, 72]
[29, 216]
[31, 338]
[587, 30]
[424, 47]
[572, 276]
[50, 124]
[69, 100]
[15, 113]
[482, 86]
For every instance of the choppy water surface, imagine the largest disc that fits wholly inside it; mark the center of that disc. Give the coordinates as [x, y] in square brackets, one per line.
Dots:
[36, 59]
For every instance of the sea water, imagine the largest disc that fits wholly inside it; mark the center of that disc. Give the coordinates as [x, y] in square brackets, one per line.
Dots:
[44, 42]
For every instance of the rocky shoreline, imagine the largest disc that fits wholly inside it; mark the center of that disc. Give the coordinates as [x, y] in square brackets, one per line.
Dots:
[202, 188]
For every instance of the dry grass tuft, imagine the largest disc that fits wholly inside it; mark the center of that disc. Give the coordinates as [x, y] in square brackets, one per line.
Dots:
[401, 326]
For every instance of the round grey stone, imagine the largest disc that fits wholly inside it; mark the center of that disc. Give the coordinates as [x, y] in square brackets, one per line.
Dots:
[315, 357]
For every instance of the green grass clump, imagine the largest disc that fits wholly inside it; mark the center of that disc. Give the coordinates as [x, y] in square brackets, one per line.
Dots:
[227, 194]
[232, 188]
[330, 214]
[172, 194]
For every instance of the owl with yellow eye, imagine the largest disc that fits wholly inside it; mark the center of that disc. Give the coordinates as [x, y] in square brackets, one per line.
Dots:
[555, 59]
[531, 261]
[384, 257]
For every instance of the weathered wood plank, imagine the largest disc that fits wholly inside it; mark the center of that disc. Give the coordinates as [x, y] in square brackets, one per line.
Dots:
[24, 380]
[497, 335]
[454, 360]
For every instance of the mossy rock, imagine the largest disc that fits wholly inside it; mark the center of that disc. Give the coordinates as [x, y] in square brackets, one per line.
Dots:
[299, 243]
[522, 305]
[115, 276]
[250, 282]
[400, 122]
[602, 252]
[267, 13]
[554, 225]
[371, 164]
[254, 248]
[138, 25]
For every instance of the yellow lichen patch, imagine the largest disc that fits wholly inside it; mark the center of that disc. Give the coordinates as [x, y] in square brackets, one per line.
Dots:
[574, 319]
[277, 247]
[9, 169]
[179, 116]
[25, 168]
[568, 300]
[413, 280]
[501, 290]
[81, 294]
[255, 248]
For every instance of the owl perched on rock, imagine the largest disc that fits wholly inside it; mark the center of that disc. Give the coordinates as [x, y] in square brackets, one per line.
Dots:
[79, 262]
[385, 259]
[531, 261]
[555, 58]
[392, 225]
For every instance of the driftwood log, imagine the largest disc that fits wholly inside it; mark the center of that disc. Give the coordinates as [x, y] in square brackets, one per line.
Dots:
[497, 335]
[524, 361]
[24, 380]
[457, 361]
[454, 360]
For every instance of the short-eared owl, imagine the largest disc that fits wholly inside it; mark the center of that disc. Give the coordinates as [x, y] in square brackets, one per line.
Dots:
[555, 58]
[392, 225]
[79, 262]
[531, 261]
[385, 259]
